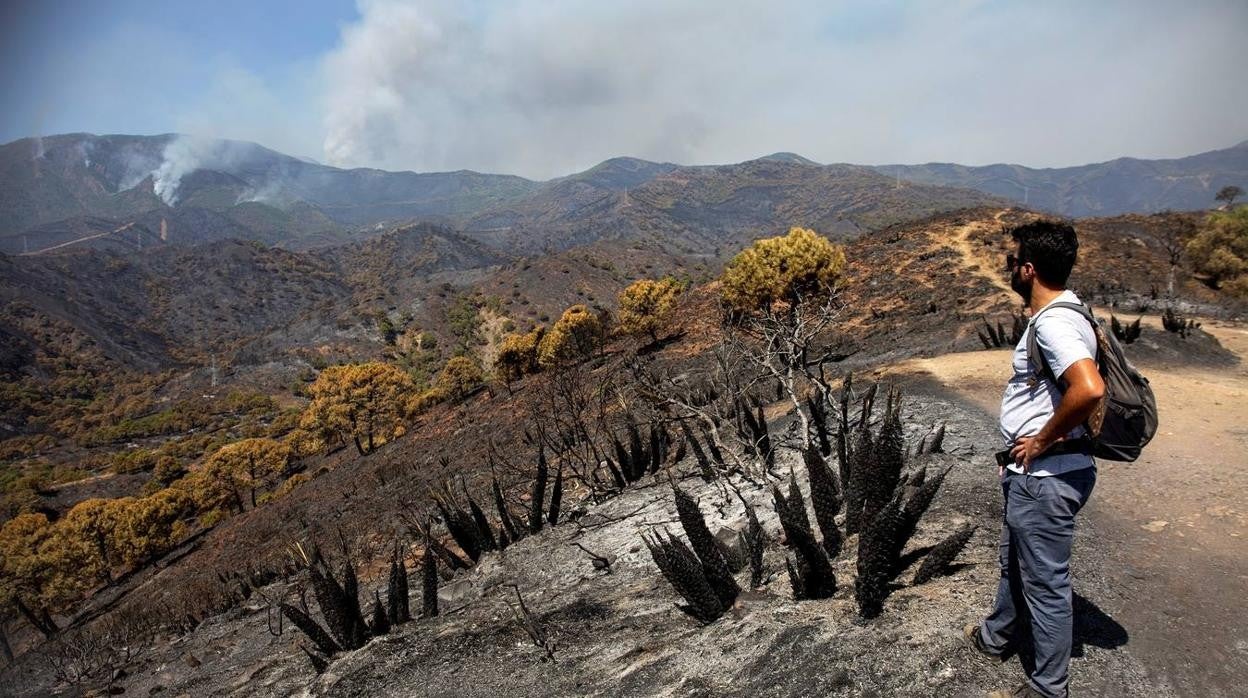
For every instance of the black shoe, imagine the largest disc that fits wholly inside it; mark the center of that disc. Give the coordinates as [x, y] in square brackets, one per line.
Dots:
[975, 640]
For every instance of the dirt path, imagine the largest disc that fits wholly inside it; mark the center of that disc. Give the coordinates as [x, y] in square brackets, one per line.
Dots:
[1174, 523]
[974, 260]
[96, 236]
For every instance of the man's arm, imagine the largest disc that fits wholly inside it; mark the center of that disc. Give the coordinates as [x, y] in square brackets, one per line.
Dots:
[1084, 389]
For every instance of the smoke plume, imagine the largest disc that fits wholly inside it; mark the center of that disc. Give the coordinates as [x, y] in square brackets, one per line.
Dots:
[185, 154]
[545, 87]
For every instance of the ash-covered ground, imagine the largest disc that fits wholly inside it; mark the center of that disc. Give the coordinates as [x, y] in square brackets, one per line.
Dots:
[620, 633]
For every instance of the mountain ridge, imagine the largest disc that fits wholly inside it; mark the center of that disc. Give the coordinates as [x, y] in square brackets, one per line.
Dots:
[47, 180]
[1112, 187]
[245, 190]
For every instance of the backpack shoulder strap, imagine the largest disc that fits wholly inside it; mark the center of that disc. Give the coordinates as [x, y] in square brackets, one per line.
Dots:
[1036, 357]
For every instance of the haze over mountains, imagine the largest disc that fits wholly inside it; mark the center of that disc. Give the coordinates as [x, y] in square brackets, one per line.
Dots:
[68, 191]
[1123, 185]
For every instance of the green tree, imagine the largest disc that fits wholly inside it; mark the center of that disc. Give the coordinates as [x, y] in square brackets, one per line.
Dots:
[167, 470]
[464, 321]
[363, 403]
[21, 496]
[1220, 250]
[575, 336]
[1228, 194]
[645, 305]
[387, 329]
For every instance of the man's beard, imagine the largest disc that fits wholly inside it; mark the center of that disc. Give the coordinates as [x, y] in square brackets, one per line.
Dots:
[1020, 287]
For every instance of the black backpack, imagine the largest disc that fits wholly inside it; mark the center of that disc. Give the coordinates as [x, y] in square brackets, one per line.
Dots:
[1126, 419]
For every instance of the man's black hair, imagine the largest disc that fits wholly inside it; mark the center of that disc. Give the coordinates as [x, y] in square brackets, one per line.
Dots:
[1050, 247]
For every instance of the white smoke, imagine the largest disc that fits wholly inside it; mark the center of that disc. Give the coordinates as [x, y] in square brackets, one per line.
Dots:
[533, 86]
[185, 154]
[544, 87]
[182, 156]
[270, 191]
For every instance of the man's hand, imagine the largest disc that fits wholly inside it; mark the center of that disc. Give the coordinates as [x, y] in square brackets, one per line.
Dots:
[1083, 389]
[1028, 448]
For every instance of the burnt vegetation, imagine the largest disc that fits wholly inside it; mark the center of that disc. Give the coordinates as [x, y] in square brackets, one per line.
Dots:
[766, 446]
[1178, 324]
[1127, 334]
[996, 336]
[879, 493]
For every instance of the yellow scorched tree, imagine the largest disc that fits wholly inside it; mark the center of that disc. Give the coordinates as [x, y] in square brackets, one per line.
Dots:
[458, 378]
[84, 544]
[150, 526]
[518, 354]
[791, 269]
[575, 336]
[363, 403]
[25, 572]
[645, 305]
[47, 567]
[245, 465]
[780, 294]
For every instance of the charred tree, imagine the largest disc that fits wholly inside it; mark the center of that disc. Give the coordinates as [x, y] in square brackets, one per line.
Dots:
[538, 495]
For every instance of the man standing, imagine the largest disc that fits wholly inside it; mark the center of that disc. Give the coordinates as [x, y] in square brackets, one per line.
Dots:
[1049, 475]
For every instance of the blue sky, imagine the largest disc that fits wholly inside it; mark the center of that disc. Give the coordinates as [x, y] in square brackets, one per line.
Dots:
[143, 67]
[545, 87]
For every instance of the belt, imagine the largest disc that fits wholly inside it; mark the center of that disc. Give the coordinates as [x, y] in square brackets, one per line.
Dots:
[1082, 445]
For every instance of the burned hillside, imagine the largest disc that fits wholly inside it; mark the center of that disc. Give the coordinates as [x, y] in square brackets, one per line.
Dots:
[594, 421]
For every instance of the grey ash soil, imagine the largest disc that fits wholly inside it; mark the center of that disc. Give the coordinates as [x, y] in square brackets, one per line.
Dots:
[621, 634]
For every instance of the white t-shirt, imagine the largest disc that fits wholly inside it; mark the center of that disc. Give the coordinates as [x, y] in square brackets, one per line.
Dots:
[1064, 337]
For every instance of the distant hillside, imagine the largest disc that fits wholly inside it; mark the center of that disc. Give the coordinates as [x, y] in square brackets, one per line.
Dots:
[156, 310]
[397, 267]
[277, 198]
[110, 308]
[706, 209]
[1125, 185]
[132, 192]
[141, 192]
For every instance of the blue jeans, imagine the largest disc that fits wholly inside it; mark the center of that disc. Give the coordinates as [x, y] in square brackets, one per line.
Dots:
[1036, 538]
